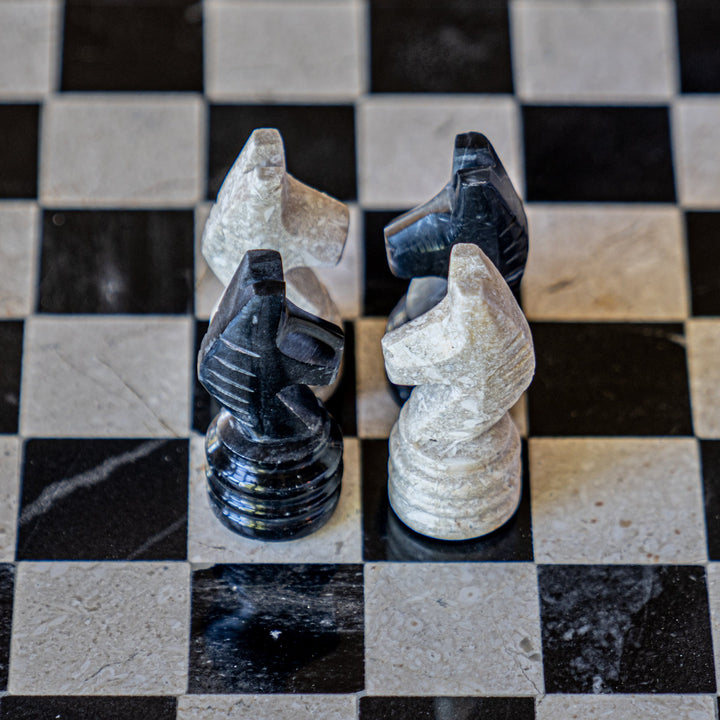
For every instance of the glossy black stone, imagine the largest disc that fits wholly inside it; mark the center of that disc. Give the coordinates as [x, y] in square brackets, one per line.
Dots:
[274, 452]
[87, 708]
[11, 342]
[598, 154]
[342, 404]
[698, 30]
[117, 261]
[710, 459]
[386, 537]
[133, 45]
[625, 629]
[7, 584]
[447, 708]
[103, 499]
[703, 249]
[277, 629]
[458, 46]
[609, 379]
[381, 288]
[479, 205]
[319, 143]
[19, 150]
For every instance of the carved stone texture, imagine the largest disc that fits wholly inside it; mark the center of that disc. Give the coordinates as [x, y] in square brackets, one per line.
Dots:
[454, 469]
[274, 453]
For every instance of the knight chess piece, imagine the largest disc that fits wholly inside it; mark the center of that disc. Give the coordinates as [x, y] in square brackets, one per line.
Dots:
[260, 205]
[274, 453]
[479, 205]
[454, 468]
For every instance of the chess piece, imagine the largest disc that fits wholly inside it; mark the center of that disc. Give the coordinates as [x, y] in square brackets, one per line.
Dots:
[479, 205]
[260, 205]
[454, 468]
[274, 453]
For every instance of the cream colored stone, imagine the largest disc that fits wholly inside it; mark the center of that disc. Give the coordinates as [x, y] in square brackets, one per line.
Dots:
[454, 470]
[9, 490]
[338, 541]
[19, 231]
[626, 707]
[703, 351]
[266, 707]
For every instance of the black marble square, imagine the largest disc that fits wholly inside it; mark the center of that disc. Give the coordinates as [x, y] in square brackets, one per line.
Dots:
[117, 261]
[447, 708]
[457, 46]
[609, 379]
[19, 150]
[382, 289]
[319, 143]
[103, 499]
[625, 629]
[342, 404]
[7, 584]
[133, 45]
[710, 460]
[698, 30]
[11, 342]
[386, 537]
[87, 708]
[277, 629]
[703, 248]
[598, 154]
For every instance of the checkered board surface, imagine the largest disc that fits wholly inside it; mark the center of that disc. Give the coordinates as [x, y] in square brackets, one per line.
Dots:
[122, 597]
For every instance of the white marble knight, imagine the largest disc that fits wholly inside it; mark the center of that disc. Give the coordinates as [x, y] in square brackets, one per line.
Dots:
[455, 468]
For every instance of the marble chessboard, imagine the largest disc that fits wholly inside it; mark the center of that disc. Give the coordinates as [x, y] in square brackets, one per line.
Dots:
[121, 596]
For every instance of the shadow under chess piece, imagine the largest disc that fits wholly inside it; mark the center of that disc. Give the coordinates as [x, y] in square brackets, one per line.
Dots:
[454, 468]
[480, 206]
[274, 453]
[260, 205]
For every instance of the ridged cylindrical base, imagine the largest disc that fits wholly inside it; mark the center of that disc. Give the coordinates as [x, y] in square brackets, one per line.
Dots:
[289, 493]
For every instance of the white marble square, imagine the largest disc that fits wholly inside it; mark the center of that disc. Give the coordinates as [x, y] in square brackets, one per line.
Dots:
[29, 48]
[703, 352]
[344, 281]
[626, 707]
[617, 500]
[406, 143]
[696, 140]
[267, 707]
[376, 410]
[339, 541]
[452, 629]
[122, 151]
[713, 583]
[10, 452]
[100, 629]
[572, 50]
[19, 234]
[265, 51]
[106, 377]
[609, 263]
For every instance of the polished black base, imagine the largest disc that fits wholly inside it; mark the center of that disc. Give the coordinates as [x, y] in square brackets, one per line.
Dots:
[280, 490]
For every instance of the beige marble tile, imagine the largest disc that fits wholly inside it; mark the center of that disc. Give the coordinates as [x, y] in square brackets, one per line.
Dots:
[713, 586]
[248, 44]
[696, 145]
[625, 707]
[616, 500]
[703, 354]
[452, 629]
[376, 409]
[612, 263]
[19, 234]
[30, 32]
[100, 629]
[267, 707]
[106, 377]
[406, 143]
[572, 50]
[122, 150]
[339, 541]
[10, 453]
